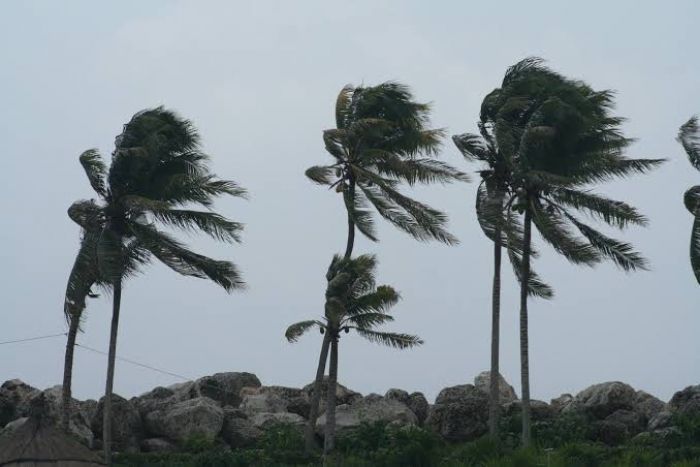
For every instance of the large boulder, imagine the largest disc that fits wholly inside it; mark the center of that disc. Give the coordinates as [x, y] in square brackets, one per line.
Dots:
[297, 400]
[7, 409]
[194, 417]
[225, 388]
[18, 394]
[81, 414]
[601, 400]
[370, 409]
[648, 406]
[482, 382]
[539, 410]
[560, 403]
[609, 432]
[343, 395]
[686, 402]
[419, 406]
[238, 431]
[634, 422]
[263, 402]
[266, 420]
[127, 430]
[160, 445]
[460, 413]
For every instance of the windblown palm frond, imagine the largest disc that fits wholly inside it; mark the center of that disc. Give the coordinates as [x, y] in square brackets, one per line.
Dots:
[381, 141]
[689, 137]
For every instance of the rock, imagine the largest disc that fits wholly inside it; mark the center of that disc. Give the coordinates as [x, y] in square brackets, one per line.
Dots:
[81, 414]
[663, 419]
[263, 402]
[264, 421]
[460, 413]
[225, 388]
[561, 402]
[397, 395]
[686, 402]
[158, 398]
[238, 431]
[126, 424]
[601, 400]
[647, 406]
[18, 394]
[343, 395]
[633, 421]
[12, 426]
[370, 409]
[506, 392]
[194, 417]
[158, 445]
[539, 410]
[296, 399]
[7, 409]
[419, 406]
[610, 433]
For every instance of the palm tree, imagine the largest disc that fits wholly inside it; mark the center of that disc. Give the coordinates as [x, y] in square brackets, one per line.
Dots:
[353, 302]
[561, 138]
[689, 137]
[503, 229]
[157, 171]
[381, 140]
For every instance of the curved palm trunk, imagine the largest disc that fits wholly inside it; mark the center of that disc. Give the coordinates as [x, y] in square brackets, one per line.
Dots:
[107, 412]
[310, 435]
[494, 389]
[351, 224]
[524, 353]
[329, 438]
[68, 372]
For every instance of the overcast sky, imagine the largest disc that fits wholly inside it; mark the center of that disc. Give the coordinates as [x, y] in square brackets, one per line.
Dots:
[259, 80]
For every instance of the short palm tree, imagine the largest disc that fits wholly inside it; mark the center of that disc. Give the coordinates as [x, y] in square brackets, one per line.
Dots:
[381, 140]
[353, 302]
[689, 137]
[157, 171]
[561, 139]
[503, 229]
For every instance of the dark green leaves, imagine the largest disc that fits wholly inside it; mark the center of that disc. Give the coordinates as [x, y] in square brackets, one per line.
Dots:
[689, 137]
[95, 170]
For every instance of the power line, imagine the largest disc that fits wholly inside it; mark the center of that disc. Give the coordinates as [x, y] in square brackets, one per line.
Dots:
[33, 338]
[142, 365]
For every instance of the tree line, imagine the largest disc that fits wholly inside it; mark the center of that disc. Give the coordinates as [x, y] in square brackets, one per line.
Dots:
[542, 142]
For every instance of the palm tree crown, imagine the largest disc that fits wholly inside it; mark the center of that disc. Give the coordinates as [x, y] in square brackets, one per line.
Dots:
[157, 170]
[689, 137]
[381, 140]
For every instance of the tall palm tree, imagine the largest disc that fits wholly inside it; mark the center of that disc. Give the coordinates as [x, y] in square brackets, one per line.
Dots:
[157, 172]
[503, 229]
[382, 139]
[689, 137]
[353, 302]
[561, 138]
[83, 277]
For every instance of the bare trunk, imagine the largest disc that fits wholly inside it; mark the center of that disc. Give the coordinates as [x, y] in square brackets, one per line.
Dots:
[524, 353]
[310, 434]
[494, 389]
[329, 438]
[68, 372]
[351, 224]
[107, 412]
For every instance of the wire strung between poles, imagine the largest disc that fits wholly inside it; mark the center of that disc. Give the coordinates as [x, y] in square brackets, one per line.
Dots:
[33, 338]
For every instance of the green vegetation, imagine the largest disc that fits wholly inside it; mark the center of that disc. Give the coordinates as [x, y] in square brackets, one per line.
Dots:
[384, 445]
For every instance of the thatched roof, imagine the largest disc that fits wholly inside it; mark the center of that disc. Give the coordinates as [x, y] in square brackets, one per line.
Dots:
[39, 443]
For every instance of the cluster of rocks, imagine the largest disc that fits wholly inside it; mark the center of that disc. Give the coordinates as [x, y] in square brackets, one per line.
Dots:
[236, 409]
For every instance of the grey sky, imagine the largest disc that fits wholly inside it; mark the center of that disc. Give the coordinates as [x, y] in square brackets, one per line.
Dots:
[259, 80]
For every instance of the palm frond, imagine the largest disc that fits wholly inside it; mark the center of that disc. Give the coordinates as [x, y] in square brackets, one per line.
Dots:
[554, 229]
[422, 170]
[689, 137]
[390, 339]
[691, 199]
[296, 330]
[95, 169]
[369, 320]
[473, 147]
[380, 301]
[87, 214]
[83, 276]
[612, 212]
[343, 106]
[322, 174]
[621, 253]
[356, 207]
[535, 286]
[695, 247]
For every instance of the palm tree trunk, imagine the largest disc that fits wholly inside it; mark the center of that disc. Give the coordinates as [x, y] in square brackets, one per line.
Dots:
[329, 438]
[310, 434]
[351, 224]
[524, 353]
[68, 371]
[494, 389]
[107, 412]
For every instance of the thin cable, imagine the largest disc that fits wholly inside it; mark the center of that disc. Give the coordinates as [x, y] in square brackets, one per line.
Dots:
[142, 365]
[34, 338]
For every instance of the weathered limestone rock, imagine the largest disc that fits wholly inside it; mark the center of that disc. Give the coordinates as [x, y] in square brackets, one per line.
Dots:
[460, 413]
[194, 417]
[370, 409]
[506, 392]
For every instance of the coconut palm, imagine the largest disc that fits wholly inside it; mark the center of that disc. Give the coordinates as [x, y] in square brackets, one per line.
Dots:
[157, 172]
[561, 138]
[382, 139]
[689, 137]
[353, 303]
[503, 229]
